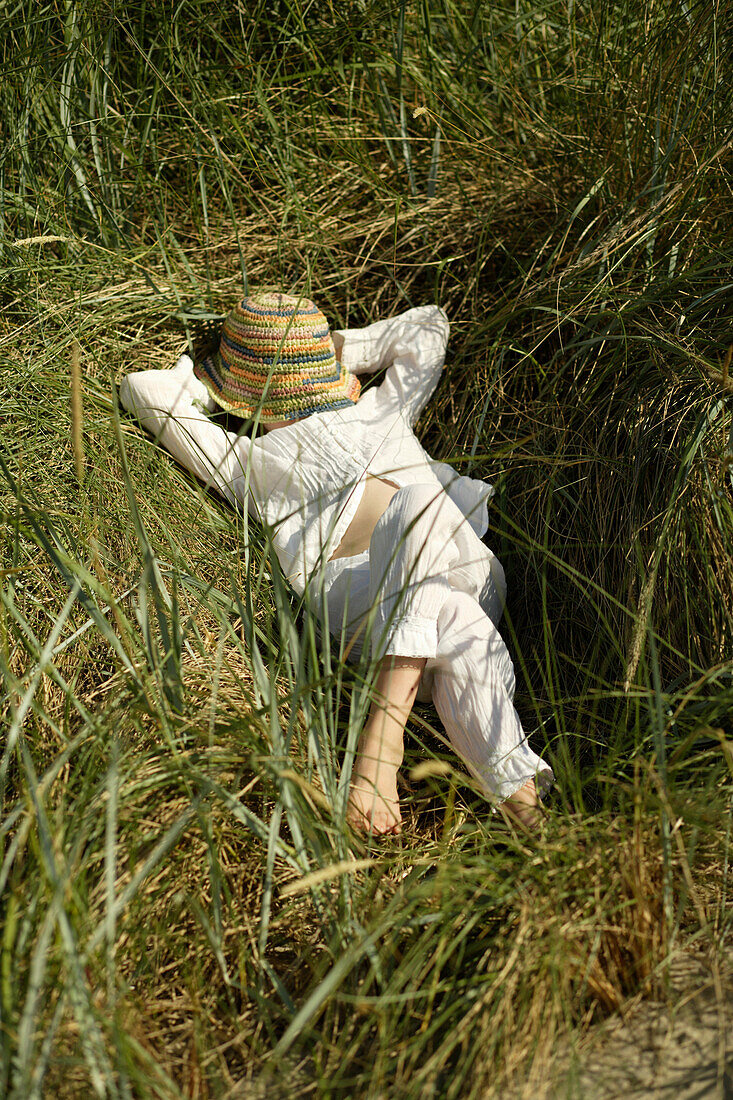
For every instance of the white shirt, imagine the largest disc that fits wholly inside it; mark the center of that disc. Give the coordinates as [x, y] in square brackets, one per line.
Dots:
[305, 481]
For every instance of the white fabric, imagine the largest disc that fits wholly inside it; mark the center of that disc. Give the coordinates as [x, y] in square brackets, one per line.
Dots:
[428, 587]
[436, 590]
[305, 480]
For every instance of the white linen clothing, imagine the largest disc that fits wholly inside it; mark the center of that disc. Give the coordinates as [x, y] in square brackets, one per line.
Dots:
[305, 481]
[437, 591]
[422, 590]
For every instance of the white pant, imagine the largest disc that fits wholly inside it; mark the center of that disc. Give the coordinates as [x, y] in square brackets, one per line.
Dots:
[428, 587]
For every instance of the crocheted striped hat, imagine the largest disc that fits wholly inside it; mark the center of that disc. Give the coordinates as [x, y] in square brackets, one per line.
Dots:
[276, 357]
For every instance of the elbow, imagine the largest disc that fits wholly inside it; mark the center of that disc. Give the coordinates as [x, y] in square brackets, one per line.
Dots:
[145, 391]
[125, 394]
[434, 320]
[443, 324]
[439, 328]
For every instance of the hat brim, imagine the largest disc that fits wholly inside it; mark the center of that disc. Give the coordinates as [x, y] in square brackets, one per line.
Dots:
[243, 394]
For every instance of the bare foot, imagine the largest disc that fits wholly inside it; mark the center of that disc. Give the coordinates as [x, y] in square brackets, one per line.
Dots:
[374, 806]
[523, 808]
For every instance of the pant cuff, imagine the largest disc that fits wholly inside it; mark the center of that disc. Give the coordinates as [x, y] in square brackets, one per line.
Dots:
[413, 636]
[504, 777]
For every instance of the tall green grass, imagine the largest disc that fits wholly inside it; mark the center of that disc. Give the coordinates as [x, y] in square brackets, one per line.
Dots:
[184, 913]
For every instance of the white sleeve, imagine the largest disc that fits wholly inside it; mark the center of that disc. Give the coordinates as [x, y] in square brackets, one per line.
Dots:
[169, 405]
[411, 346]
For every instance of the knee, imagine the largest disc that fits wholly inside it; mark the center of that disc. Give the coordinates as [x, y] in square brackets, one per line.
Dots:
[417, 530]
[420, 507]
[412, 506]
[416, 499]
[461, 614]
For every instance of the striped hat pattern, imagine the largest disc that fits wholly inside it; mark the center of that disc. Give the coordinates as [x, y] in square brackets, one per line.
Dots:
[276, 357]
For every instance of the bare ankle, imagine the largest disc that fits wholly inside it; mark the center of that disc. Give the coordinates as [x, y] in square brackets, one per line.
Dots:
[524, 807]
[374, 751]
[526, 795]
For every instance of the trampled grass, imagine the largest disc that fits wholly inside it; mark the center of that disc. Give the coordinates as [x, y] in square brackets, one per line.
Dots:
[184, 913]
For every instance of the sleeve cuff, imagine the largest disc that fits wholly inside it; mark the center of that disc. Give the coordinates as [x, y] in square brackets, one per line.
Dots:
[356, 351]
[190, 384]
[170, 391]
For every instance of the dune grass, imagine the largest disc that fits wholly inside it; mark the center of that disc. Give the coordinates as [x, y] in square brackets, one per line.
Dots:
[184, 911]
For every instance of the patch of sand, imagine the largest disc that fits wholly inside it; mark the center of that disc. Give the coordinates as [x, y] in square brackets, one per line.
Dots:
[680, 1050]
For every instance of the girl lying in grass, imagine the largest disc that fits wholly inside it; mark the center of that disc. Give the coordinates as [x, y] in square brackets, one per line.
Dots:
[359, 513]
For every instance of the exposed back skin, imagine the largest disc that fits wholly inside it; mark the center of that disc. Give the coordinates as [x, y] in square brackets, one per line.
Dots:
[378, 492]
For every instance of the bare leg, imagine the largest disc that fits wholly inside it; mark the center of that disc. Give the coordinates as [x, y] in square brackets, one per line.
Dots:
[373, 803]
